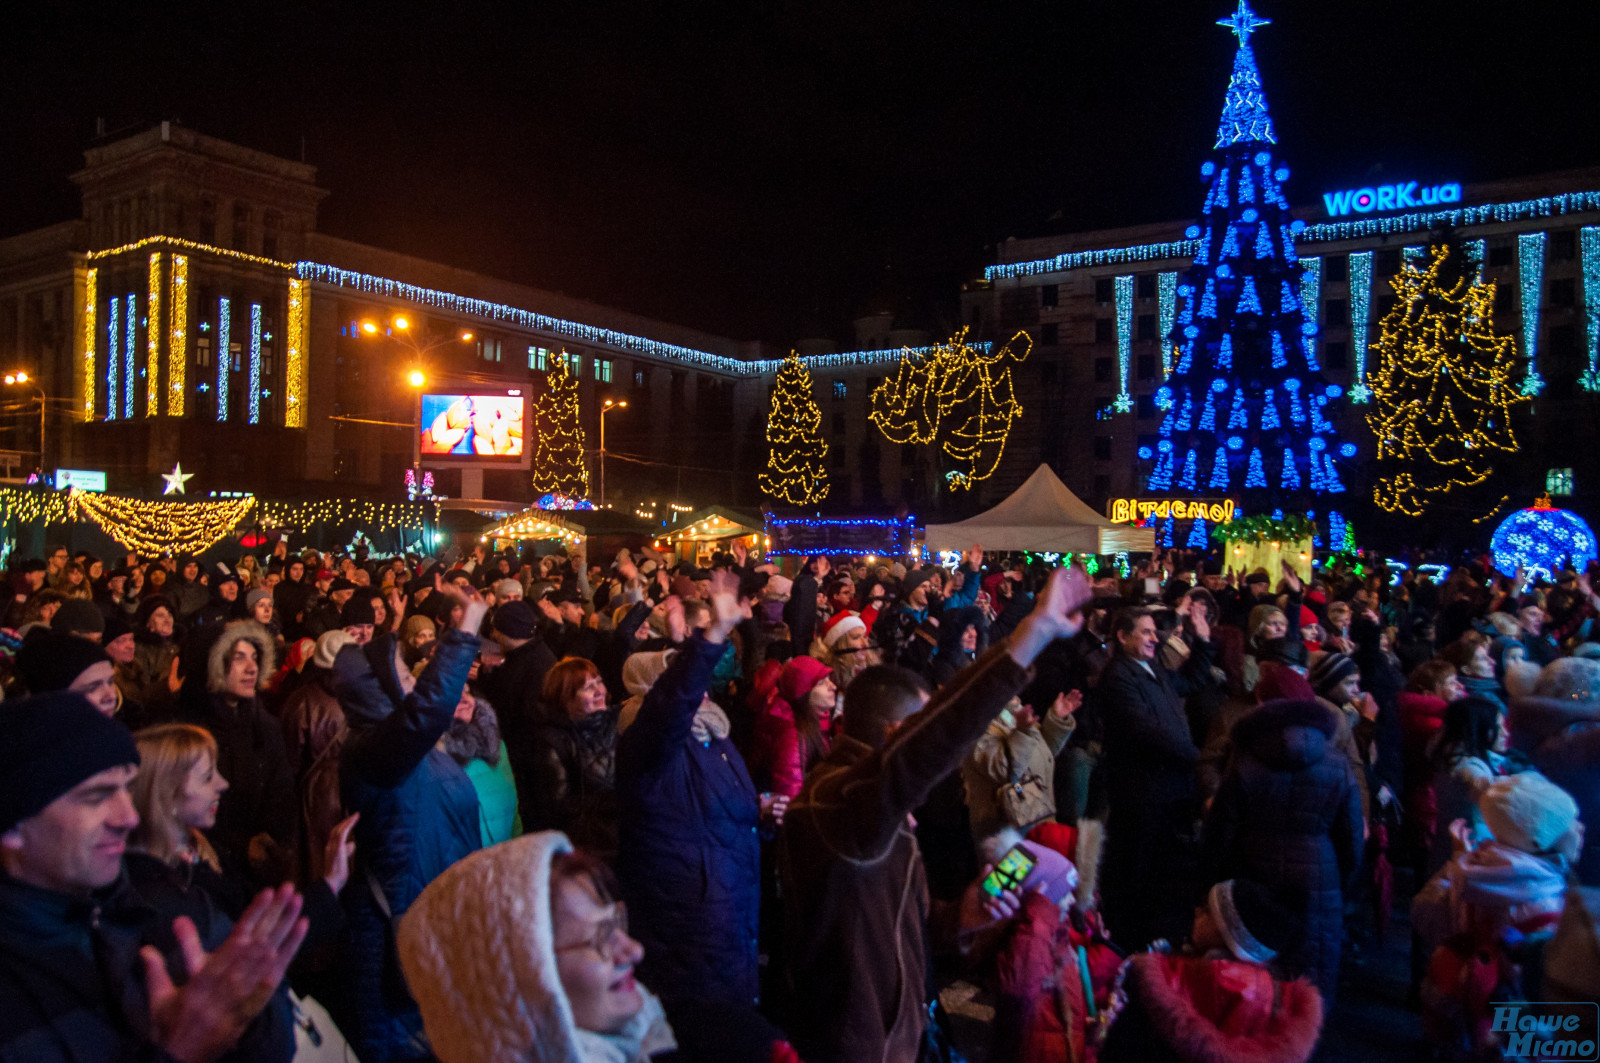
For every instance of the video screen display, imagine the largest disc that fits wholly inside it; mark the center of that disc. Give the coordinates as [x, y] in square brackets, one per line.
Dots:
[472, 426]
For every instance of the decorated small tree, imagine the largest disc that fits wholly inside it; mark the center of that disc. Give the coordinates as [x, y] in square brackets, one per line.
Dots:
[557, 459]
[1443, 389]
[797, 454]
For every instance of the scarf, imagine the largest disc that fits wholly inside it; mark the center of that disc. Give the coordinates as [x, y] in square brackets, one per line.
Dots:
[645, 1035]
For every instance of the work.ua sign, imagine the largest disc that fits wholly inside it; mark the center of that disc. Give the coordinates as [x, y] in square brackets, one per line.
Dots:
[1389, 197]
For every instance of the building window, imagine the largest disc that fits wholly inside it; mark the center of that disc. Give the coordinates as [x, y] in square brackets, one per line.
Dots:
[1147, 367]
[602, 370]
[1558, 482]
[1102, 330]
[1050, 333]
[641, 379]
[1147, 326]
[1386, 263]
[1500, 255]
[1563, 341]
[1047, 375]
[1563, 245]
[1146, 405]
[1334, 268]
[1335, 355]
[241, 227]
[1335, 313]
[1050, 295]
[838, 390]
[1564, 292]
[208, 220]
[1102, 448]
[1505, 299]
[1103, 291]
[202, 352]
[1147, 285]
[538, 358]
[1102, 370]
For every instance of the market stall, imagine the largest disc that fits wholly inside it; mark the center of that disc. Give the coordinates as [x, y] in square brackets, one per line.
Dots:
[1042, 516]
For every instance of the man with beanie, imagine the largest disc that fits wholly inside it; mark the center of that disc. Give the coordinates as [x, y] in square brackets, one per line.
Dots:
[80, 617]
[357, 619]
[513, 689]
[86, 972]
[49, 662]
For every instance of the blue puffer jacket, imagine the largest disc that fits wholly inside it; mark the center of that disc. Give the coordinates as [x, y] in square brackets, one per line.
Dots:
[1288, 815]
[690, 850]
[419, 815]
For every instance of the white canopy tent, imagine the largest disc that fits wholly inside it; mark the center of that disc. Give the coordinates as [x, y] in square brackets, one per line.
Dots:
[1042, 516]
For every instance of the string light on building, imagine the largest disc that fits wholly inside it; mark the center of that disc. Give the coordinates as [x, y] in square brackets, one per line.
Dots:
[177, 337]
[960, 397]
[91, 306]
[152, 309]
[130, 338]
[1360, 278]
[1310, 299]
[1530, 277]
[113, 355]
[294, 411]
[1123, 289]
[224, 355]
[557, 459]
[1589, 240]
[1166, 312]
[187, 245]
[376, 516]
[797, 455]
[255, 363]
[1443, 387]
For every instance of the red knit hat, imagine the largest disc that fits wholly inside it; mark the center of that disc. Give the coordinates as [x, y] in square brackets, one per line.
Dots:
[799, 676]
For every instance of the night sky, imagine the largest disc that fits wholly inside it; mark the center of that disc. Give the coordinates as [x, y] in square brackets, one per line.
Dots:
[771, 170]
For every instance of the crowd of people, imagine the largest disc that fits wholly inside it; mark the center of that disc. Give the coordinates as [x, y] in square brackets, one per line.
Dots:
[502, 806]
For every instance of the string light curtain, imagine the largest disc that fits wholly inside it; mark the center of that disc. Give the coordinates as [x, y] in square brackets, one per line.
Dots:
[154, 527]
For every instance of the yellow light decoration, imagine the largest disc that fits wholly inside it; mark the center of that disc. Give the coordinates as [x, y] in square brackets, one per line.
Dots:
[187, 245]
[957, 396]
[91, 306]
[1443, 387]
[557, 458]
[152, 396]
[153, 527]
[177, 336]
[33, 507]
[797, 455]
[294, 412]
[376, 516]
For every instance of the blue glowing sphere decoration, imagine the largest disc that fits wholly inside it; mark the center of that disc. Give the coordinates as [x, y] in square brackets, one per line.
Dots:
[1262, 158]
[1348, 450]
[1224, 270]
[1542, 540]
[1317, 444]
[1334, 391]
[1309, 328]
[1292, 384]
[1207, 169]
[1297, 226]
[1281, 173]
[1219, 385]
[1164, 397]
[1235, 443]
[1277, 514]
[1249, 214]
[1192, 232]
[1185, 289]
[1164, 445]
[1191, 331]
[1146, 453]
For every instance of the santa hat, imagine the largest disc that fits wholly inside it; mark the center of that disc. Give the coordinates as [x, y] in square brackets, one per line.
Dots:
[840, 625]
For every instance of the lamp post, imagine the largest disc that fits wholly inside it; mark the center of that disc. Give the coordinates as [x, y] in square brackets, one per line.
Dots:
[20, 377]
[399, 329]
[606, 408]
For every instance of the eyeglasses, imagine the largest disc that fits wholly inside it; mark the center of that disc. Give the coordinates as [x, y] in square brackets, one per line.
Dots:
[606, 935]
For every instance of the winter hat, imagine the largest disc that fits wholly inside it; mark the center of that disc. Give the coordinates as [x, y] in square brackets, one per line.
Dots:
[779, 587]
[1254, 925]
[1527, 811]
[1052, 874]
[683, 587]
[897, 570]
[515, 620]
[340, 584]
[357, 611]
[116, 627]
[1282, 684]
[78, 616]
[50, 743]
[1307, 617]
[505, 588]
[840, 625]
[328, 646]
[916, 579]
[1284, 651]
[1330, 670]
[255, 596]
[1258, 576]
[799, 676]
[639, 673]
[415, 625]
[50, 660]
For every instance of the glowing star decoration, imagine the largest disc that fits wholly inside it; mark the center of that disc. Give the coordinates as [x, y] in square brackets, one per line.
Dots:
[176, 479]
[1542, 541]
[1443, 386]
[797, 455]
[557, 457]
[960, 397]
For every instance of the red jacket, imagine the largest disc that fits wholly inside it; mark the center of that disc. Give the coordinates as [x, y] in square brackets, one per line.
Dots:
[1421, 718]
[777, 757]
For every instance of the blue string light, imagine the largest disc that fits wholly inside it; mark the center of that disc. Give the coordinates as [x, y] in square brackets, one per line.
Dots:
[1310, 301]
[1269, 412]
[1238, 417]
[1124, 298]
[1219, 470]
[1208, 419]
[130, 339]
[1291, 472]
[224, 356]
[1198, 535]
[1360, 315]
[1256, 475]
[113, 356]
[255, 363]
[1166, 311]
[1336, 531]
[1186, 416]
[1530, 276]
[1244, 110]
[1589, 238]
[1249, 301]
[1190, 480]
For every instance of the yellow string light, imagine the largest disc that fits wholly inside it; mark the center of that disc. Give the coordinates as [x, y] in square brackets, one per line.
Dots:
[187, 245]
[33, 507]
[294, 412]
[956, 395]
[152, 338]
[91, 305]
[376, 516]
[1443, 388]
[558, 464]
[797, 455]
[177, 336]
[153, 527]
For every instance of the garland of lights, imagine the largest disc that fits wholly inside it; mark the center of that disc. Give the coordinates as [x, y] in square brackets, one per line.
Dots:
[1124, 298]
[299, 342]
[187, 245]
[255, 363]
[1264, 527]
[893, 536]
[91, 296]
[1589, 239]
[558, 450]
[1360, 319]
[960, 395]
[1166, 313]
[152, 394]
[177, 337]
[113, 355]
[154, 527]
[224, 354]
[1310, 301]
[1530, 275]
[130, 338]
[1443, 389]
[378, 516]
[797, 455]
[35, 507]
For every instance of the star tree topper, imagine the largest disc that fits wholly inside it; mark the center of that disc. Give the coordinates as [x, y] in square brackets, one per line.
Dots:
[175, 479]
[1243, 22]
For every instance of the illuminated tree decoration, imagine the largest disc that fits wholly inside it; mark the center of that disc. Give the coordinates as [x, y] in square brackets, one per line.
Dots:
[1542, 540]
[558, 441]
[797, 455]
[959, 396]
[1443, 387]
[1245, 406]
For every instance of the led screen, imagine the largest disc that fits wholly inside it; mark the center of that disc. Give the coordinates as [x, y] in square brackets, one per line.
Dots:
[472, 426]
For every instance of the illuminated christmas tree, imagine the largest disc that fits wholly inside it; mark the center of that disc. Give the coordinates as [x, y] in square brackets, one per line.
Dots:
[558, 464]
[1246, 406]
[1443, 387]
[797, 454]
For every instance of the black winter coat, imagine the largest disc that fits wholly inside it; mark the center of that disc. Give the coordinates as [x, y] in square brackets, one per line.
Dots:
[571, 780]
[513, 690]
[1288, 815]
[690, 856]
[1562, 738]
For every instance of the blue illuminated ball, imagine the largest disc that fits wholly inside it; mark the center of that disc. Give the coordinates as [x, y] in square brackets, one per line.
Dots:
[1317, 444]
[1145, 453]
[1164, 397]
[1192, 232]
[1292, 384]
[1191, 331]
[1282, 173]
[1224, 270]
[1207, 169]
[1262, 158]
[1164, 445]
[1334, 391]
[1297, 226]
[1249, 214]
[1309, 328]
[1542, 541]
[1185, 289]
[1235, 443]
[1348, 450]
[1219, 385]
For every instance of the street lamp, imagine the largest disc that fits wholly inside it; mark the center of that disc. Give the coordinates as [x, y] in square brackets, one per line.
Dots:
[22, 378]
[606, 408]
[417, 378]
[400, 329]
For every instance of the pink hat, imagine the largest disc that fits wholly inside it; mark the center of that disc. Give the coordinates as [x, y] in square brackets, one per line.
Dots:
[1052, 874]
[799, 676]
[840, 625]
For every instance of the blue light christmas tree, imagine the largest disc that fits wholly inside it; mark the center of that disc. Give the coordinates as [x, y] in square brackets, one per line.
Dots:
[1244, 350]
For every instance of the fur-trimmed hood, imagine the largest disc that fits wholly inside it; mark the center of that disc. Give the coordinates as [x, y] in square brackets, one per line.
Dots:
[1288, 733]
[1223, 1011]
[232, 632]
[474, 739]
